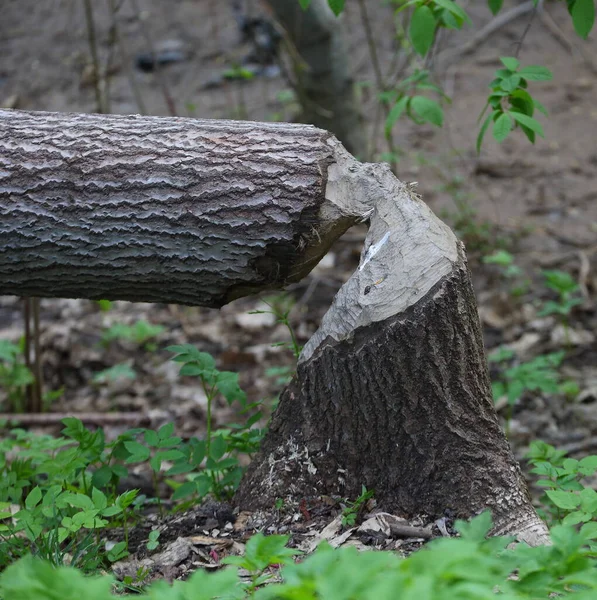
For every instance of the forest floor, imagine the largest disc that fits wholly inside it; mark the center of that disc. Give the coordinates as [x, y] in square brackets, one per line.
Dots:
[537, 202]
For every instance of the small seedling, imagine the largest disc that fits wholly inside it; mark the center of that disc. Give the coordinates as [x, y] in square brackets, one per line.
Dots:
[510, 271]
[537, 375]
[352, 509]
[14, 375]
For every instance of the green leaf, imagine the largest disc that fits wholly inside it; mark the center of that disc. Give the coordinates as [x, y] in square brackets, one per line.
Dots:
[139, 453]
[422, 29]
[482, 132]
[429, 110]
[495, 6]
[454, 8]
[522, 101]
[536, 73]
[540, 106]
[337, 6]
[395, 113]
[218, 447]
[304, 4]
[509, 84]
[563, 500]
[33, 498]
[583, 17]
[502, 127]
[510, 63]
[476, 529]
[529, 122]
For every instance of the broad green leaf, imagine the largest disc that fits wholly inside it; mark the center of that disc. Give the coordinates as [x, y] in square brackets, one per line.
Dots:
[422, 29]
[395, 113]
[33, 498]
[495, 6]
[304, 4]
[429, 110]
[502, 127]
[536, 73]
[454, 8]
[522, 101]
[529, 122]
[218, 447]
[139, 453]
[510, 62]
[583, 17]
[509, 84]
[337, 6]
[564, 500]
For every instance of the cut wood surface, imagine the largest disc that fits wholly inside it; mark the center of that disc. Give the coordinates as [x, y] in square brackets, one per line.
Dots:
[391, 392]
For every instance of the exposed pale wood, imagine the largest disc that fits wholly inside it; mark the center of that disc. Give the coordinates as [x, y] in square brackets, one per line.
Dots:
[391, 392]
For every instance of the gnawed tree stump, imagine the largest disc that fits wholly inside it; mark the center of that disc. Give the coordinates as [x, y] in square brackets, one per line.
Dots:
[391, 392]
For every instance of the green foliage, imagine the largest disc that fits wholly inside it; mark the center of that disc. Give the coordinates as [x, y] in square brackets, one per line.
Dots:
[510, 105]
[566, 499]
[262, 552]
[537, 375]
[14, 375]
[140, 333]
[583, 16]
[470, 567]
[567, 289]
[222, 472]
[111, 374]
[510, 271]
[404, 100]
[65, 488]
[428, 16]
[281, 306]
[352, 509]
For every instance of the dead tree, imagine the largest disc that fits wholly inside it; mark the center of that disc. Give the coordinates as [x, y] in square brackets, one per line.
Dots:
[391, 392]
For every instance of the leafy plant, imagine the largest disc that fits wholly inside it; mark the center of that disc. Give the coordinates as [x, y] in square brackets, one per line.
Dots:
[141, 333]
[262, 552]
[510, 104]
[352, 510]
[566, 498]
[567, 289]
[114, 373]
[14, 375]
[281, 306]
[537, 375]
[222, 473]
[509, 270]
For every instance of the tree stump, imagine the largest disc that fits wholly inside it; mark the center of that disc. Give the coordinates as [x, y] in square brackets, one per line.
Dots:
[391, 392]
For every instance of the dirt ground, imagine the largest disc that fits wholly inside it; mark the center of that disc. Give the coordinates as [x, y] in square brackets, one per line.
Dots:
[540, 201]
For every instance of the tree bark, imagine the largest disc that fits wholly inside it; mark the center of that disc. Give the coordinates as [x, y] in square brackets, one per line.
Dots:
[391, 392]
[159, 209]
[325, 88]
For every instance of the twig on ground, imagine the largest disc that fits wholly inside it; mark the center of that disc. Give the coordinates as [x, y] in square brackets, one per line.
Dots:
[39, 419]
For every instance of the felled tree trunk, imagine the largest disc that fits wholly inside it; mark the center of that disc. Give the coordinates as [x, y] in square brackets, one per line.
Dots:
[160, 209]
[391, 392]
[320, 58]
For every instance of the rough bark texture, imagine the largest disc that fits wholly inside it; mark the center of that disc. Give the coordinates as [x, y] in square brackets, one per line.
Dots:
[404, 408]
[159, 209]
[325, 86]
[392, 391]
